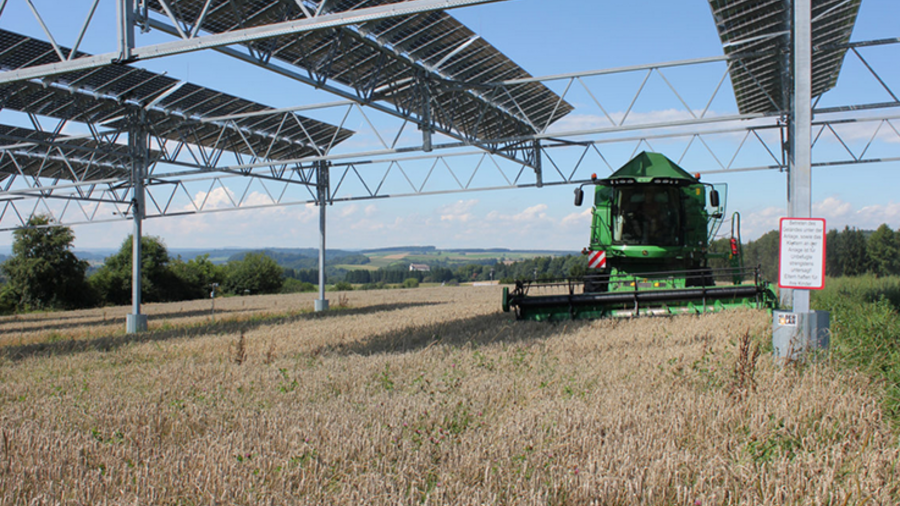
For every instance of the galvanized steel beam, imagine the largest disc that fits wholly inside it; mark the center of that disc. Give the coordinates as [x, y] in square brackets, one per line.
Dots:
[129, 53]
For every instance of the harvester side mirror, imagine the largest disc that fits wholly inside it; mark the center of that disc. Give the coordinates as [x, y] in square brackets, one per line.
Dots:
[714, 198]
[579, 196]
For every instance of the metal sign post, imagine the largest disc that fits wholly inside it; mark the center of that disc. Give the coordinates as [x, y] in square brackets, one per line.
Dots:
[801, 268]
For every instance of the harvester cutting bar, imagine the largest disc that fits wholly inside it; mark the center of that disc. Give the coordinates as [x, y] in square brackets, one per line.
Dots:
[648, 294]
[643, 296]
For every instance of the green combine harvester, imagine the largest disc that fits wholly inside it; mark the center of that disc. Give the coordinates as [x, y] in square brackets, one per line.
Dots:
[649, 253]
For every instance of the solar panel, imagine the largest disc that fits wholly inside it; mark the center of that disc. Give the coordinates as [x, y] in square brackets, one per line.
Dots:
[404, 60]
[42, 154]
[760, 28]
[174, 109]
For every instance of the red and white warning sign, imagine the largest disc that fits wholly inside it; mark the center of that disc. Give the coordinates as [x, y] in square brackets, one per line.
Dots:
[801, 262]
[597, 260]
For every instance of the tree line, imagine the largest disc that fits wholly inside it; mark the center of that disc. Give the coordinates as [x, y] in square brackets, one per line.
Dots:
[544, 267]
[44, 273]
[848, 252]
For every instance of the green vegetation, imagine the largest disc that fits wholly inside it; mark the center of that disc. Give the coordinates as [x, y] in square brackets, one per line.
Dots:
[865, 326]
[762, 252]
[43, 273]
[342, 286]
[112, 281]
[45, 248]
[255, 273]
[296, 286]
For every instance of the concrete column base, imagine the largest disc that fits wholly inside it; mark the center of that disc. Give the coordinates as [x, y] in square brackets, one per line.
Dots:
[321, 305]
[135, 323]
[796, 334]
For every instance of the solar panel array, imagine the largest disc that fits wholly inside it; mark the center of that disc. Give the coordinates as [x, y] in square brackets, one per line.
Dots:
[760, 27]
[174, 109]
[28, 152]
[396, 60]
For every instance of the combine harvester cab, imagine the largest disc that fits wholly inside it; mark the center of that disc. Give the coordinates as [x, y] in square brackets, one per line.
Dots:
[649, 252]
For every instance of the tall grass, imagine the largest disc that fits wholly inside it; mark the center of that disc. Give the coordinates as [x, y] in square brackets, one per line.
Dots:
[865, 325]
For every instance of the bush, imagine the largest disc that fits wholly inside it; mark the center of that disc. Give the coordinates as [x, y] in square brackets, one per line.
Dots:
[296, 286]
[343, 286]
[865, 327]
[196, 276]
[410, 283]
[257, 273]
[159, 283]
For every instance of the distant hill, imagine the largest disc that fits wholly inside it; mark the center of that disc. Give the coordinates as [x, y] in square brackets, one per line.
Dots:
[415, 250]
[307, 258]
[550, 252]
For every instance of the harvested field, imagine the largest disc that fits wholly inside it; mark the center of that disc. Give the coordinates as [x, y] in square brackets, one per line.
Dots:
[425, 396]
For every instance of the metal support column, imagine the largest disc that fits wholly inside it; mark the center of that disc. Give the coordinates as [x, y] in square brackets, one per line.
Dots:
[138, 147]
[800, 174]
[125, 28]
[538, 171]
[322, 187]
[426, 116]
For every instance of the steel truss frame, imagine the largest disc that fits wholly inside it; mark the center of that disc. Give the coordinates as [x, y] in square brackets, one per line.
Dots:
[192, 40]
[190, 191]
[183, 175]
[395, 83]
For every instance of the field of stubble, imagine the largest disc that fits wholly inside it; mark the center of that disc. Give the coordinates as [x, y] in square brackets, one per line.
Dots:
[425, 396]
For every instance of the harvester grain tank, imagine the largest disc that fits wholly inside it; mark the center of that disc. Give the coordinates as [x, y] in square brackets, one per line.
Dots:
[651, 227]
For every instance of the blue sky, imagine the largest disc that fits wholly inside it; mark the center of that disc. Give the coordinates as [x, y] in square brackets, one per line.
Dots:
[545, 38]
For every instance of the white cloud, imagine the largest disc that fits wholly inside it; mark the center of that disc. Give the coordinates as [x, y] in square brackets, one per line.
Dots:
[218, 198]
[837, 213]
[581, 220]
[860, 132]
[875, 215]
[528, 216]
[757, 223]
[348, 210]
[832, 209]
[460, 211]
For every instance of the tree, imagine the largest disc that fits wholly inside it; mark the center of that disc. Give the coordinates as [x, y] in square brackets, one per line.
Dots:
[764, 252]
[43, 273]
[257, 273]
[883, 251]
[196, 276]
[854, 252]
[158, 283]
[834, 246]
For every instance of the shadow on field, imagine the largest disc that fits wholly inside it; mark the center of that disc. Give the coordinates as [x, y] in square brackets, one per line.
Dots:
[119, 339]
[50, 325]
[473, 331]
[38, 317]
